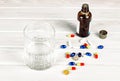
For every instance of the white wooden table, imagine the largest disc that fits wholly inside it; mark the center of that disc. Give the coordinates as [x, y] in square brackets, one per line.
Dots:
[15, 14]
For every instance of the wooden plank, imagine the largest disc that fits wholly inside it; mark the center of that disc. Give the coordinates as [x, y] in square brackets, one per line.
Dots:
[91, 73]
[55, 3]
[17, 25]
[55, 13]
[15, 56]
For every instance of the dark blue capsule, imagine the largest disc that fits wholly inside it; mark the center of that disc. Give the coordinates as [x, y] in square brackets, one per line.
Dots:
[82, 47]
[79, 54]
[72, 54]
[71, 63]
[88, 54]
[63, 46]
[100, 47]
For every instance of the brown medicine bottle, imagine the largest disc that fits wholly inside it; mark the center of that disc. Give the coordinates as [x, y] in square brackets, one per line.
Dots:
[84, 18]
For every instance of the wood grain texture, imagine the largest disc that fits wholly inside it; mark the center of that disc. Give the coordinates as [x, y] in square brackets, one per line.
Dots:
[60, 3]
[16, 14]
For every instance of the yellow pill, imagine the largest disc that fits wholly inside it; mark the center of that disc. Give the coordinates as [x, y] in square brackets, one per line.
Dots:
[66, 72]
[88, 47]
[78, 64]
[67, 53]
[68, 35]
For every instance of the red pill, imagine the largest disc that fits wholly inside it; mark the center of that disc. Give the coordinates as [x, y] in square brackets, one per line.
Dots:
[85, 44]
[96, 56]
[82, 64]
[67, 56]
[72, 35]
[73, 68]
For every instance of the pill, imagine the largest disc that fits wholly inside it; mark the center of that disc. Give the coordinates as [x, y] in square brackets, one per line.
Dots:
[96, 56]
[88, 54]
[72, 54]
[63, 46]
[82, 47]
[71, 68]
[85, 44]
[67, 55]
[79, 54]
[66, 72]
[71, 63]
[69, 43]
[80, 64]
[72, 35]
[75, 58]
[100, 47]
[68, 35]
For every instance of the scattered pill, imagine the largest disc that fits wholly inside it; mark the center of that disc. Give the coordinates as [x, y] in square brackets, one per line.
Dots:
[100, 47]
[67, 55]
[88, 54]
[95, 55]
[75, 58]
[66, 72]
[73, 68]
[71, 63]
[79, 54]
[82, 47]
[63, 46]
[72, 54]
[88, 47]
[72, 35]
[85, 44]
[69, 43]
[80, 64]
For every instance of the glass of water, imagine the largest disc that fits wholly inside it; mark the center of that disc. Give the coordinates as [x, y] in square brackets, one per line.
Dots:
[39, 45]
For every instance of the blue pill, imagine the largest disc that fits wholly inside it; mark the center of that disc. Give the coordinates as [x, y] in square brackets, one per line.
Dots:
[82, 47]
[71, 63]
[63, 46]
[79, 54]
[88, 54]
[100, 47]
[72, 54]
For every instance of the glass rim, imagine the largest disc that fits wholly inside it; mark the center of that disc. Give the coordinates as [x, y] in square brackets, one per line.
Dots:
[27, 25]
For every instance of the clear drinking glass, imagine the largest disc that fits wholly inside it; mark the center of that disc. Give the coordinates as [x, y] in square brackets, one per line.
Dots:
[39, 45]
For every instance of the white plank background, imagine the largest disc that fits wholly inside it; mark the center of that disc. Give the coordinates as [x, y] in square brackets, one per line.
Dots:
[16, 14]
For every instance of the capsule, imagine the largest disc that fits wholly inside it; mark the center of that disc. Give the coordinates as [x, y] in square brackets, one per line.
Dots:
[88, 47]
[88, 54]
[85, 44]
[82, 47]
[79, 54]
[75, 58]
[66, 72]
[96, 56]
[63, 46]
[72, 54]
[80, 64]
[72, 35]
[67, 55]
[100, 47]
[72, 68]
[71, 63]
